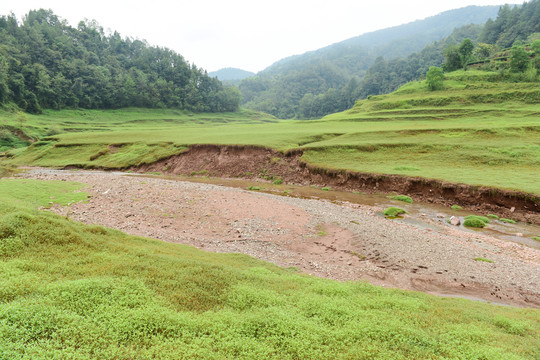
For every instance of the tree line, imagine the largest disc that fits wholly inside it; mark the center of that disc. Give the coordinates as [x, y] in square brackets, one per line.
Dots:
[47, 64]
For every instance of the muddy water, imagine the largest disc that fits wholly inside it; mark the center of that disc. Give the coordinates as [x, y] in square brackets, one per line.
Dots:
[419, 214]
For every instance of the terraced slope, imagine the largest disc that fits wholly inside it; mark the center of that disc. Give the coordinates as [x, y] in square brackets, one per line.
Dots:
[482, 129]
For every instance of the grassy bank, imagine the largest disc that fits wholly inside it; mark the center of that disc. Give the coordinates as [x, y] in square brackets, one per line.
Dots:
[75, 291]
[479, 130]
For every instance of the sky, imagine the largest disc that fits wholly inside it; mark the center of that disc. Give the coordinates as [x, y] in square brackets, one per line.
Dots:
[245, 34]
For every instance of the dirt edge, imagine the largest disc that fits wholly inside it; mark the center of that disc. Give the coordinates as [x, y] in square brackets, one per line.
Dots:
[255, 162]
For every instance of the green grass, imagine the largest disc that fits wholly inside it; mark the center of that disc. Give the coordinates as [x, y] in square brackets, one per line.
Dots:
[484, 260]
[403, 198]
[492, 216]
[476, 221]
[480, 130]
[481, 218]
[393, 211]
[456, 207]
[40, 193]
[75, 291]
[509, 221]
[537, 238]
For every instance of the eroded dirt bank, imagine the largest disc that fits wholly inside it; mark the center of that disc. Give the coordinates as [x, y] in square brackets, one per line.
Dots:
[339, 241]
[255, 162]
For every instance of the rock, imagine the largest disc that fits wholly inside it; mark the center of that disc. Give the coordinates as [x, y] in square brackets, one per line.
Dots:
[519, 234]
[441, 216]
[454, 220]
[512, 209]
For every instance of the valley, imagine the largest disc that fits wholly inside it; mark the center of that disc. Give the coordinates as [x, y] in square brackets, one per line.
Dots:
[359, 205]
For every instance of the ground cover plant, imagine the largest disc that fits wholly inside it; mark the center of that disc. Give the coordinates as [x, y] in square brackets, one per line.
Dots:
[476, 221]
[77, 291]
[403, 198]
[480, 130]
[393, 211]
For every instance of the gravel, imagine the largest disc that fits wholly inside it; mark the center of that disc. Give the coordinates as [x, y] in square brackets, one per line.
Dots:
[340, 241]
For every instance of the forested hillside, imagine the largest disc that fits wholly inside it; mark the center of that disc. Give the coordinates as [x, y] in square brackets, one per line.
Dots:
[46, 63]
[384, 76]
[325, 80]
[512, 23]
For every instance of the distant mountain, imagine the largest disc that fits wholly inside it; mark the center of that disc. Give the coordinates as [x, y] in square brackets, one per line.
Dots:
[231, 74]
[280, 88]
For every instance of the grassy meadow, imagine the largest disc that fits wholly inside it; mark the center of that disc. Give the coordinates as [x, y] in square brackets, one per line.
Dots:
[75, 291]
[479, 130]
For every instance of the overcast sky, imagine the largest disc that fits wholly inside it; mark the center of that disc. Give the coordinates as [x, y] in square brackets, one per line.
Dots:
[247, 34]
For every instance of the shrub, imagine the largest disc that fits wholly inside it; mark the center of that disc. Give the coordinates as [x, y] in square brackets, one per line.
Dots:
[456, 207]
[537, 238]
[326, 189]
[403, 198]
[510, 221]
[393, 211]
[492, 216]
[278, 181]
[434, 78]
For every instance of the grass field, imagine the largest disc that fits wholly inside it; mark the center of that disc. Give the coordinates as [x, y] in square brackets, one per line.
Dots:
[479, 130]
[74, 291]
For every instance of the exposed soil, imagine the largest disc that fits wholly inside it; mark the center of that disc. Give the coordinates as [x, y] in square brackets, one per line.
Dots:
[338, 241]
[256, 162]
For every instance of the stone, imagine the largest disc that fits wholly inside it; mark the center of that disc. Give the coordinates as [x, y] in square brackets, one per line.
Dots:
[512, 209]
[454, 220]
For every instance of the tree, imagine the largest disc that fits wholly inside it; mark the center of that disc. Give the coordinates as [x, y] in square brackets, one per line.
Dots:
[535, 46]
[465, 52]
[483, 51]
[519, 58]
[452, 58]
[434, 78]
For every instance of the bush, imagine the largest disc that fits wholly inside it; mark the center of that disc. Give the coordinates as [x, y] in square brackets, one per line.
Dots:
[456, 207]
[492, 216]
[510, 221]
[393, 211]
[434, 78]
